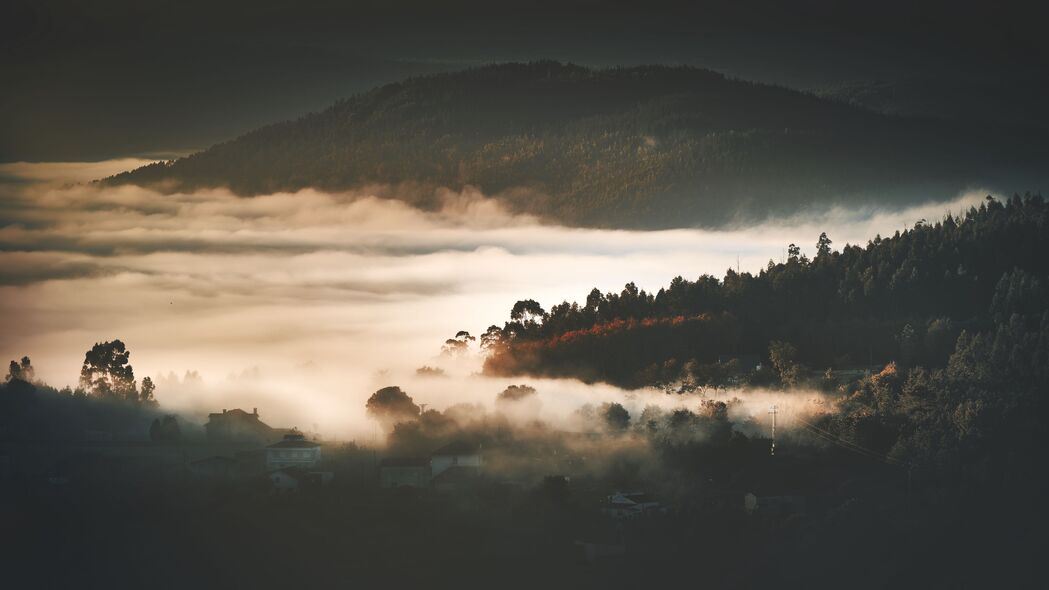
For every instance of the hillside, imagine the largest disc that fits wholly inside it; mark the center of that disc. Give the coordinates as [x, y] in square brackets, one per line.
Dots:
[908, 298]
[644, 147]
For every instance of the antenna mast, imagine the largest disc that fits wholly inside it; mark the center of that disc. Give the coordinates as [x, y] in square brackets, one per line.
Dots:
[773, 410]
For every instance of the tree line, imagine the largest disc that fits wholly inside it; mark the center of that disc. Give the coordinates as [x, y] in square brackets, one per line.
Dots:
[906, 298]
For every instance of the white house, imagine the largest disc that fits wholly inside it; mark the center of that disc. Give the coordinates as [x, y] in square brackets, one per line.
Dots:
[293, 451]
[399, 472]
[455, 454]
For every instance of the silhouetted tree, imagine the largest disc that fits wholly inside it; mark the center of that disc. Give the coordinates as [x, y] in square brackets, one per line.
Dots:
[106, 372]
[616, 417]
[823, 246]
[21, 371]
[146, 393]
[390, 406]
[165, 429]
[460, 344]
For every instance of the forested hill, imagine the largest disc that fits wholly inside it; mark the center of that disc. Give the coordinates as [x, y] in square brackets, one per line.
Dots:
[975, 287]
[648, 146]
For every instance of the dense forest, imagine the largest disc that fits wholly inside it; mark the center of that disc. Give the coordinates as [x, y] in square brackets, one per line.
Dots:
[650, 146]
[905, 298]
[935, 342]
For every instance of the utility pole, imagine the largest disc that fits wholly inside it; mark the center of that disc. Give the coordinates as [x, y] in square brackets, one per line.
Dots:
[773, 410]
[422, 408]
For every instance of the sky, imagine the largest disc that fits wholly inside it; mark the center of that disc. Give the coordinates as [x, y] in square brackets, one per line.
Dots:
[304, 304]
[112, 78]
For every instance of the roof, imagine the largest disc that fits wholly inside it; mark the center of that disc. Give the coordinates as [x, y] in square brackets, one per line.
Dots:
[234, 413]
[458, 447]
[456, 474]
[294, 444]
[405, 462]
[630, 498]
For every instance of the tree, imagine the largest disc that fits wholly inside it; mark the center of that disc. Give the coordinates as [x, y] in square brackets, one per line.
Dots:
[458, 345]
[616, 417]
[164, 429]
[515, 393]
[491, 338]
[527, 310]
[146, 393]
[519, 401]
[106, 372]
[784, 360]
[21, 371]
[390, 406]
[823, 246]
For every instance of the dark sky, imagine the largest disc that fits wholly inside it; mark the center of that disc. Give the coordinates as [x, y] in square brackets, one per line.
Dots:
[103, 78]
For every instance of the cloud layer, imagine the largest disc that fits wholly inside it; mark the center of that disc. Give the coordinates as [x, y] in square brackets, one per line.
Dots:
[349, 285]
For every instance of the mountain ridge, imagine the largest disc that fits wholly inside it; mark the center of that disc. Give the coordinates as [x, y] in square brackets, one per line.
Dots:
[640, 147]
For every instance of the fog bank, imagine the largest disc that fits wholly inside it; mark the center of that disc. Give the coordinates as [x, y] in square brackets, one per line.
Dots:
[303, 304]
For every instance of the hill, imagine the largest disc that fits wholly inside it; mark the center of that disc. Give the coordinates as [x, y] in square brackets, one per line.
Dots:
[647, 147]
[913, 298]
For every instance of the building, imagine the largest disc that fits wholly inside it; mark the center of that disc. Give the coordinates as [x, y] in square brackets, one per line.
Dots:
[293, 451]
[457, 478]
[455, 454]
[631, 505]
[238, 426]
[293, 479]
[400, 472]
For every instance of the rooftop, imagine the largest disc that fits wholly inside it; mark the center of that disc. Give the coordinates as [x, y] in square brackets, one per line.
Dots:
[294, 441]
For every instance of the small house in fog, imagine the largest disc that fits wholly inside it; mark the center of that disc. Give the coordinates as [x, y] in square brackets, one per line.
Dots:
[293, 451]
[631, 505]
[400, 472]
[455, 454]
[238, 426]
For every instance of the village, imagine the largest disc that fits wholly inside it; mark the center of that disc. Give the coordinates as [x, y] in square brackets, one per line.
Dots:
[241, 457]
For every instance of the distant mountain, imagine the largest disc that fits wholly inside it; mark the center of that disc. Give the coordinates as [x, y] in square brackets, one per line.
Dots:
[649, 146]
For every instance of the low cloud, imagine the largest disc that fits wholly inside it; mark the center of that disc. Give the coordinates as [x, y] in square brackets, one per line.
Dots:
[354, 283]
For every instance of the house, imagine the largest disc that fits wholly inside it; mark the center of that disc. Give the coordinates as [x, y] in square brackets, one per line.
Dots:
[399, 472]
[238, 426]
[293, 479]
[289, 479]
[293, 451]
[631, 505]
[456, 478]
[773, 505]
[455, 454]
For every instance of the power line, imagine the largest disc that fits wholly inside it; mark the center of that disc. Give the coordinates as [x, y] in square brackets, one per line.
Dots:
[849, 445]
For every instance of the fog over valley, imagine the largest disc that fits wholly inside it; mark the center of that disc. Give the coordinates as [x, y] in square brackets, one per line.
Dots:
[303, 304]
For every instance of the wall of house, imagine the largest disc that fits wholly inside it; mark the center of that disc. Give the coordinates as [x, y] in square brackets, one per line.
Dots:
[280, 458]
[396, 477]
[439, 463]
